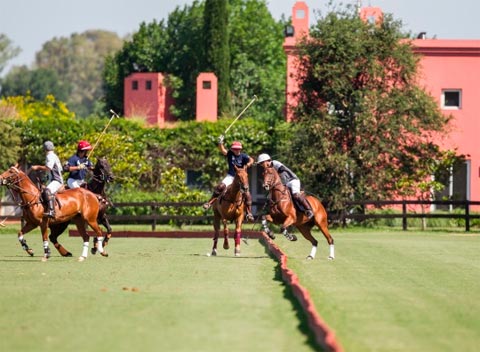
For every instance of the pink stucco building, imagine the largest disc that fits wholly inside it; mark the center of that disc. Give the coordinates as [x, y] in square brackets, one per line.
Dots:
[449, 71]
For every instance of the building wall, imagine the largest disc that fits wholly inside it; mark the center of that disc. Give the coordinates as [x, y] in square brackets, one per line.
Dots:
[445, 64]
[455, 65]
[146, 96]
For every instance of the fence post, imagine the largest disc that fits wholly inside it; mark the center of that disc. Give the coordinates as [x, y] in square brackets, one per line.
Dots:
[154, 212]
[467, 215]
[404, 215]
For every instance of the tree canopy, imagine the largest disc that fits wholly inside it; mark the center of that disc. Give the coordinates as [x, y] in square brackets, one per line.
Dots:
[7, 51]
[177, 47]
[364, 125]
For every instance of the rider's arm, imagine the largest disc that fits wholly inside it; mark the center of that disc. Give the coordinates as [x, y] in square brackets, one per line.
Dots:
[222, 149]
[40, 167]
[250, 162]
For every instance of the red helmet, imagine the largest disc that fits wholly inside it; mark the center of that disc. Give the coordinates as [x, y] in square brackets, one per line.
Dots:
[84, 145]
[236, 145]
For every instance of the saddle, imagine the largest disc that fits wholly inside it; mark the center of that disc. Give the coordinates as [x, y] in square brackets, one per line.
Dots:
[296, 204]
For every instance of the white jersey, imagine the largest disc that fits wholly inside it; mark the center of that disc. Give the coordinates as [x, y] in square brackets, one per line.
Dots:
[53, 163]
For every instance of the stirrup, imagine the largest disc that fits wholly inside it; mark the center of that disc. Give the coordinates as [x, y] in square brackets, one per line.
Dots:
[49, 214]
[309, 214]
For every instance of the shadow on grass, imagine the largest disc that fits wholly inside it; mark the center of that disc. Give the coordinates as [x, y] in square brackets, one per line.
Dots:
[299, 312]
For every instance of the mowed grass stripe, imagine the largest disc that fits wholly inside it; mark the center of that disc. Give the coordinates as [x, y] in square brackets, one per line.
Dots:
[396, 291]
[149, 295]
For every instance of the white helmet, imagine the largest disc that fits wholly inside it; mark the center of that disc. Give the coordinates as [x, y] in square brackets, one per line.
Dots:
[263, 157]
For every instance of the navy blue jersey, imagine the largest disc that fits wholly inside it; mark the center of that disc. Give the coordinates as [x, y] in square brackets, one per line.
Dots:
[238, 160]
[75, 160]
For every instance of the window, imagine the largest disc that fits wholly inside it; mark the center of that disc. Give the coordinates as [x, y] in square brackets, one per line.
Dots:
[206, 84]
[451, 99]
[300, 14]
[134, 85]
[148, 85]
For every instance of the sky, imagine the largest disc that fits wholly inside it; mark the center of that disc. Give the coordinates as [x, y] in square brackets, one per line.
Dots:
[31, 23]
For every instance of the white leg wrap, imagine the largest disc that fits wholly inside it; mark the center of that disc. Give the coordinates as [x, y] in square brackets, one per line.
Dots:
[85, 249]
[313, 251]
[100, 245]
[45, 244]
[332, 251]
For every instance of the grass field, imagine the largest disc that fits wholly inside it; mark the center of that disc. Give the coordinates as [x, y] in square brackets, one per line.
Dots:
[386, 291]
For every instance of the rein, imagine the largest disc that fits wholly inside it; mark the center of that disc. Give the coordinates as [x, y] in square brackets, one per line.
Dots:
[16, 192]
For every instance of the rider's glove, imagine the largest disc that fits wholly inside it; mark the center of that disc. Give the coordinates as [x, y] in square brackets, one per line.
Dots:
[82, 166]
[221, 139]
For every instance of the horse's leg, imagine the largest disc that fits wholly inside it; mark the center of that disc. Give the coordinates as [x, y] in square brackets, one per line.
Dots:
[226, 245]
[23, 242]
[83, 233]
[106, 223]
[322, 223]
[102, 219]
[98, 232]
[216, 229]
[265, 228]
[44, 230]
[284, 229]
[55, 231]
[305, 230]
[238, 234]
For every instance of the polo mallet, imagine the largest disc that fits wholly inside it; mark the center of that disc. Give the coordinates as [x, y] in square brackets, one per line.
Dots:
[236, 118]
[114, 114]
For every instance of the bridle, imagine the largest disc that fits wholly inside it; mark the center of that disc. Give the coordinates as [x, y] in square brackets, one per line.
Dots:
[12, 182]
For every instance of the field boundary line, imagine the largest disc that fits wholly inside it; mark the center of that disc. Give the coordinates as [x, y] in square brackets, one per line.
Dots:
[324, 335]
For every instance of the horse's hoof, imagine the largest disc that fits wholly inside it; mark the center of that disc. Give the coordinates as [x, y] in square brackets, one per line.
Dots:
[214, 253]
[30, 252]
[331, 258]
[104, 254]
[226, 245]
[68, 254]
[237, 252]
[93, 250]
[81, 258]
[309, 257]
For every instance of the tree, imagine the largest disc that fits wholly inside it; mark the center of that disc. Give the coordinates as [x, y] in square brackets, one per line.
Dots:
[364, 126]
[258, 62]
[7, 51]
[176, 47]
[37, 83]
[78, 62]
[217, 52]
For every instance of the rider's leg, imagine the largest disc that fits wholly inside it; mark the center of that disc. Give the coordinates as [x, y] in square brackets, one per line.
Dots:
[248, 205]
[48, 201]
[300, 198]
[218, 190]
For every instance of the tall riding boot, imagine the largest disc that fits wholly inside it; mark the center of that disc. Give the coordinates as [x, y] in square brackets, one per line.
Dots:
[300, 198]
[48, 201]
[218, 190]
[248, 206]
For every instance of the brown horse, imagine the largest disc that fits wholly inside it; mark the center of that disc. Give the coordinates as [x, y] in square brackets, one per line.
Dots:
[79, 205]
[102, 174]
[283, 212]
[230, 206]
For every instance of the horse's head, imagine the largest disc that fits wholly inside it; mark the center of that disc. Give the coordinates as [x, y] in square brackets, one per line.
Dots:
[10, 177]
[102, 171]
[269, 178]
[241, 176]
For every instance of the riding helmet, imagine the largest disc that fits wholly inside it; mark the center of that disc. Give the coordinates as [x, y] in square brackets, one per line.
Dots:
[84, 145]
[263, 157]
[236, 145]
[48, 146]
